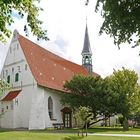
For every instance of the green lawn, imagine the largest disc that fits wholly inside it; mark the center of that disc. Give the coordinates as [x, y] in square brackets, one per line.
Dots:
[63, 134]
[13, 135]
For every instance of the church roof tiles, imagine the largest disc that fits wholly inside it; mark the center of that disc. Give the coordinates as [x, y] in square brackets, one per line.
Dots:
[11, 95]
[48, 69]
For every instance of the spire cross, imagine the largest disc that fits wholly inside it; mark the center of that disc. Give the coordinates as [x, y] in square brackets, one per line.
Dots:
[86, 3]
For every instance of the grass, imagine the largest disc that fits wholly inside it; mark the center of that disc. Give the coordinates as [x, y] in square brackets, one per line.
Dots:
[47, 136]
[63, 134]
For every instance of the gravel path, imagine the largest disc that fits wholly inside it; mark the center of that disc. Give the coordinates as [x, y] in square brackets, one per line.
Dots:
[114, 135]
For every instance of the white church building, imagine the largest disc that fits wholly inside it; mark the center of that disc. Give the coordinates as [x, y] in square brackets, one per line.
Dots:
[37, 77]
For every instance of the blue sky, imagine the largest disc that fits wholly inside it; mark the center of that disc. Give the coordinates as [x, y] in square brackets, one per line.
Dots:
[65, 21]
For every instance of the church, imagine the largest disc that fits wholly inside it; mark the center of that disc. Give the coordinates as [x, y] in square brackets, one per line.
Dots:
[36, 77]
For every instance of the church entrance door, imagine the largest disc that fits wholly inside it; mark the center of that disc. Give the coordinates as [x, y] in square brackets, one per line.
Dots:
[66, 115]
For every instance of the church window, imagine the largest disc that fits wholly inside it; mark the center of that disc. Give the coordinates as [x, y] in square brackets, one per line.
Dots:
[12, 70]
[8, 79]
[50, 107]
[87, 60]
[26, 66]
[17, 77]
[2, 110]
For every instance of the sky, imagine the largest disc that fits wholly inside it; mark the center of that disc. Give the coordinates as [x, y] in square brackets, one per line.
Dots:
[65, 21]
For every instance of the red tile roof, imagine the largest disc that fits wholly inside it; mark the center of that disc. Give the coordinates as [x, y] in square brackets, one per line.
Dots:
[11, 95]
[48, 69]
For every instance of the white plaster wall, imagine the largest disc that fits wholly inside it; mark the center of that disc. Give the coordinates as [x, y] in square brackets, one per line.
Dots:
[16, 60]
[111, 121]
[39, 117]
[37, 114]
[6, 121]
[57, 117]
[23, 107]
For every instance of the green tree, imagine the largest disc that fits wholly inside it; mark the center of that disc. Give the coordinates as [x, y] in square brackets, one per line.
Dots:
[121, 20]
[135, 101]
[91, 92]
[22, 8]
[3, 87]
[81, 115]
[124, 84]
[135, 106]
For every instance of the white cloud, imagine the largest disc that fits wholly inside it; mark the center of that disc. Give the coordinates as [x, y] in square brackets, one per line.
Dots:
[65, 21]
[3, 51]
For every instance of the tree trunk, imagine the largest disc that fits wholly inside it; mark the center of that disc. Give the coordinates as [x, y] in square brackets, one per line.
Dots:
[125, 124]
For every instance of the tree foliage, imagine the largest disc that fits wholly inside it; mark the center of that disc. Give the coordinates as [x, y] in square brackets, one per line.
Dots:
[124, 83]
[22, 8]
[81, 115]
[118, 93]
[90, 92]
[121, 20]
[3, 87]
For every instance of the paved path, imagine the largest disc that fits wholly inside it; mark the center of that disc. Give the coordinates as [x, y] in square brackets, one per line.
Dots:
[114, 135]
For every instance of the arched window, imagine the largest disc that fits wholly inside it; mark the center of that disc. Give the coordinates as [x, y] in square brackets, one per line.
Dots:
[50, 107]
[86, 59]
[17, 77]
[8, 79]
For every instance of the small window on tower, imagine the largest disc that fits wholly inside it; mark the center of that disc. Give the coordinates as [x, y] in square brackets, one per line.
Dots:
[87, 61]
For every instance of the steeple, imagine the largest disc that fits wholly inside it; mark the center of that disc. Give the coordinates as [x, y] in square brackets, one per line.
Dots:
[87, 53]
[86, 47]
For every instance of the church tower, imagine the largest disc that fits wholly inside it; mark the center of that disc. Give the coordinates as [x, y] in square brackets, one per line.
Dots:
[87, 53]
